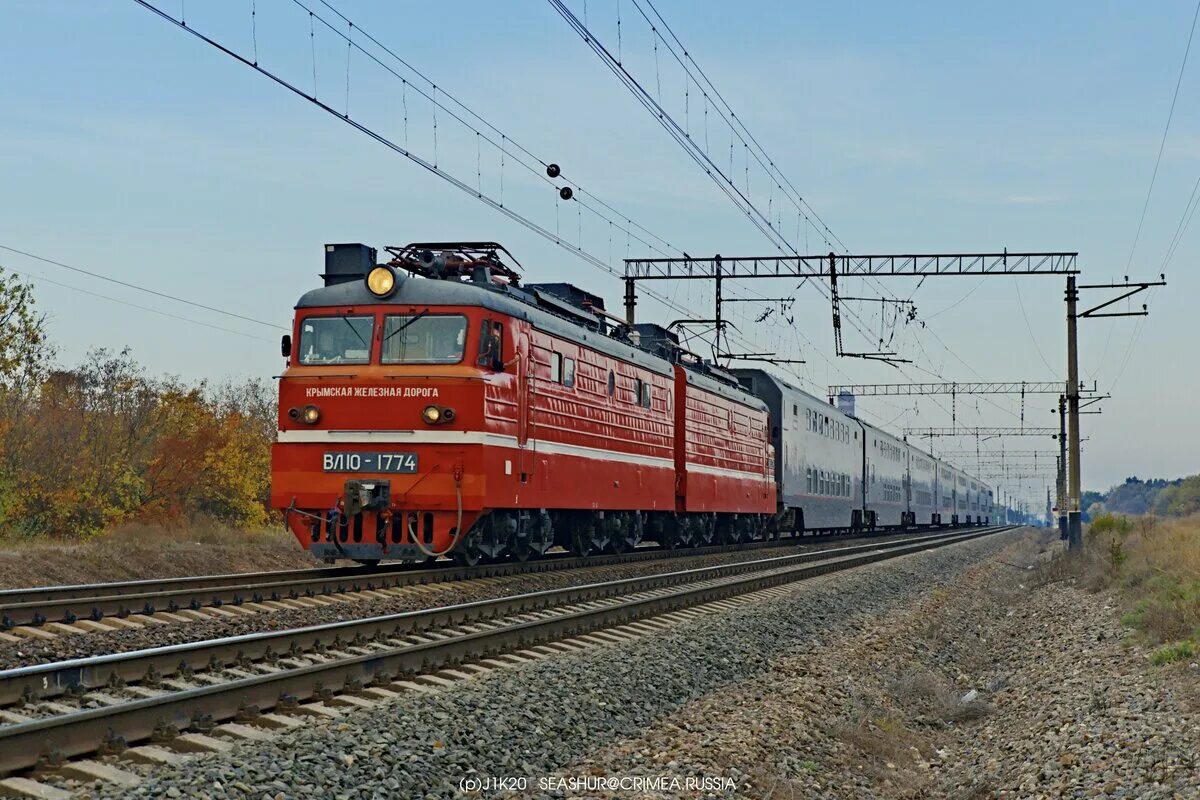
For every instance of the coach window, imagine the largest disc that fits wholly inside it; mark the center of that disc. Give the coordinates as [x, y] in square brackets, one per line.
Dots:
[639, 390]
[556, 367]
[795, 410]
[568, 372]
[645, 395]
[612, 383]
[808, 479]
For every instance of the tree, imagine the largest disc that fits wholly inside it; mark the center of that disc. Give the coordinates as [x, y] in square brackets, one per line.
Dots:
[1134, 496]
[1180, 499]
[24, 348]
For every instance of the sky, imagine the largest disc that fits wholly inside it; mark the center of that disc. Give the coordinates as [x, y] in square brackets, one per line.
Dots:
[132, 149]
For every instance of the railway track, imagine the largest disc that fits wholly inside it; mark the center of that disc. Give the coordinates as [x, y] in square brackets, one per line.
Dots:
[64, 710]
[143, 602]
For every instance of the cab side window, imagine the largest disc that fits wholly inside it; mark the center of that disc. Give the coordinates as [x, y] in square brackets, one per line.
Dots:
[491, 345]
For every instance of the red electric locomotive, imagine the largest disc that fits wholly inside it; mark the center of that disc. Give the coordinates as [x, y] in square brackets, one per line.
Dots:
[433, 406]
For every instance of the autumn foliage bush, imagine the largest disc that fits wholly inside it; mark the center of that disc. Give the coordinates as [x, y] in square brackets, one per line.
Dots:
[104, 444]
[83, 450]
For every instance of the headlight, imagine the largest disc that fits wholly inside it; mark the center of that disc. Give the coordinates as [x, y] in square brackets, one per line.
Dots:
[381, 281]
[310, 414]
[432, 415]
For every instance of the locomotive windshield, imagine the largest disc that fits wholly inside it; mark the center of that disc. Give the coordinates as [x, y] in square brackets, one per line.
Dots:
[423, 338]
[336, 340]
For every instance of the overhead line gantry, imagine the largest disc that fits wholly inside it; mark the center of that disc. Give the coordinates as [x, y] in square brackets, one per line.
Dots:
[982, 432]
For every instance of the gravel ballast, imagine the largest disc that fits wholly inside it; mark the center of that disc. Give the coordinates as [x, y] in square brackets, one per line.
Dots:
[543, 717]
[990, 686]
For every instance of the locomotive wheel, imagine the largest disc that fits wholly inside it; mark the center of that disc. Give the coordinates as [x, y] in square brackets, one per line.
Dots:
[730, 530]
[521, 550]
[581, 541]
[685, 533]
[668, 535]
[492, 534]
[467, 558]
[533, 536]
[625, 533]
[468, 552]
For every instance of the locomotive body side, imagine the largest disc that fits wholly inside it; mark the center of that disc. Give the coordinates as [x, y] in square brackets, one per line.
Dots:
[724, 460]
[545, 428]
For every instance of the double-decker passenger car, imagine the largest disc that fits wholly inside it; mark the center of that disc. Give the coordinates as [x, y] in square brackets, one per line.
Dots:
[837, 472]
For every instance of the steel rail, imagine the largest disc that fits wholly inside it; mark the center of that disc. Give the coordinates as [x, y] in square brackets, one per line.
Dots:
[38, 605]
[77, 733]
[55, 678]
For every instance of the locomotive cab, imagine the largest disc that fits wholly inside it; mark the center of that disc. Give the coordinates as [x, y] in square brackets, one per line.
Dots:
[382, 422]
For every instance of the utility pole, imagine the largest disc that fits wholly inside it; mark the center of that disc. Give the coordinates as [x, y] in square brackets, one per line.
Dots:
[1074, 513]
[1062, 466]
[1074, 520]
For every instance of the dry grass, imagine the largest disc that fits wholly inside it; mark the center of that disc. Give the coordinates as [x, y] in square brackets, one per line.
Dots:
[1153, 565]
[148, 551]
[931, 698]
[879, 736]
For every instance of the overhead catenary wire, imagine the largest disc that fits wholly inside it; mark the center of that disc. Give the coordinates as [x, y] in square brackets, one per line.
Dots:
[507, 146]
[722, 179]
[1028, 327]
[140, 288]
[96, 295]
[1182, 226]
[1163, 142]
[415, 158]
[697, 149]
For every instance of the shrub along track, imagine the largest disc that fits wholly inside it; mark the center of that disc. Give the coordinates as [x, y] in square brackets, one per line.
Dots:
[74, 708]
